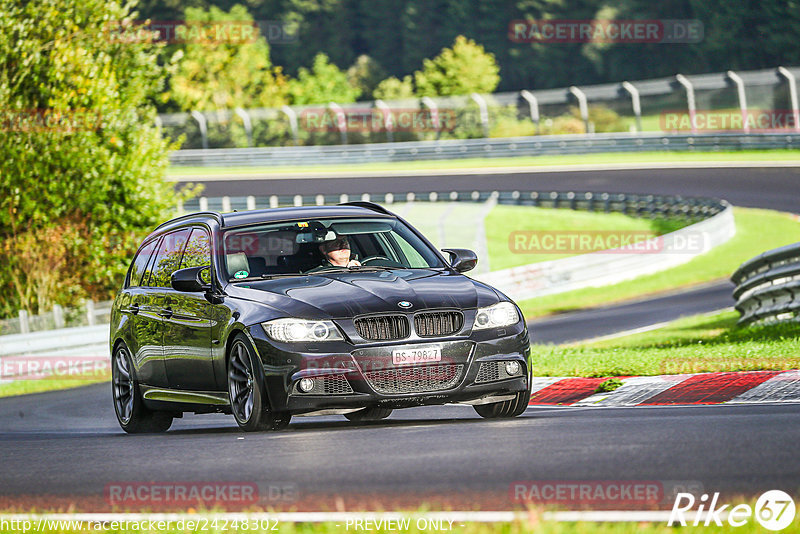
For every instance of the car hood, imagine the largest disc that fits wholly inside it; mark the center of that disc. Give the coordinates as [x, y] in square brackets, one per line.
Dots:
[340, 295]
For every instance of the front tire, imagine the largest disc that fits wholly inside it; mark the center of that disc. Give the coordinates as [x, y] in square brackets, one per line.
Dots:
[505, 409]
[133, 416]
[509, 408]
[246, 390]
[369, 414]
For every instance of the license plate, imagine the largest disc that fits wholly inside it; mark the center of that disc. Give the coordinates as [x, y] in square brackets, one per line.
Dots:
[417, 355]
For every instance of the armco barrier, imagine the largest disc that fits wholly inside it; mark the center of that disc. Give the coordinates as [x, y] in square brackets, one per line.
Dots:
[768, 286]
[480, 148]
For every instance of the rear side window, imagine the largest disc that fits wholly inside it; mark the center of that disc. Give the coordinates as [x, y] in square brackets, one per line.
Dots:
[140, 263]
[168, 258]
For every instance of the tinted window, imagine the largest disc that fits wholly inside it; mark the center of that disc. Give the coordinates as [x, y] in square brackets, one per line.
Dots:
[140, 263]
[298, 247]
[198, 253]
[168, 257]
[198, 250]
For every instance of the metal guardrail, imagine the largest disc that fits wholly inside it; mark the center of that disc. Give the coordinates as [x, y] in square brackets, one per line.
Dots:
[768, 286]
[480, 148]
[650, 206]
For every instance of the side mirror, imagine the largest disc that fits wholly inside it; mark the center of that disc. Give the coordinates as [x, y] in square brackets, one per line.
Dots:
[461, 259]
[190, 280]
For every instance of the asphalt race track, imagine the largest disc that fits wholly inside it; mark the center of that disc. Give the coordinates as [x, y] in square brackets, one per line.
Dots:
[631, 315]
[773, 188]
[66, 447]
[68, 443]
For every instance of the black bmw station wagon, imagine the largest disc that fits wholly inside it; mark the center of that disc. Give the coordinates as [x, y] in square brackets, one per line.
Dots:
[343, 309]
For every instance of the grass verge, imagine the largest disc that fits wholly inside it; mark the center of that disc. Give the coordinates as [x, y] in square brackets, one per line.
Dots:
[697, 344]
[756, 231]
[488, 163]
[50, 383]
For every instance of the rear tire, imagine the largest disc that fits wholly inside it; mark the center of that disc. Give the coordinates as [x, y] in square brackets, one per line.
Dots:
[247, 392]
[133, 416]
[369, 414]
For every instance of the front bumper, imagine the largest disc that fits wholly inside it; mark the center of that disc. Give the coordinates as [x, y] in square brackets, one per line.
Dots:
[366, 376]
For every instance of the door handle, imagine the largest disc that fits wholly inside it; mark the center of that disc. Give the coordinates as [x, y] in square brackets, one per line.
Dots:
[166, 313]
[134, 308]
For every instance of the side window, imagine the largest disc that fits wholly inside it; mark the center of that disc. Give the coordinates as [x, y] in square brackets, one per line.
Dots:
[198, 252]
[168, 257]
[140, 263]
[413, 258]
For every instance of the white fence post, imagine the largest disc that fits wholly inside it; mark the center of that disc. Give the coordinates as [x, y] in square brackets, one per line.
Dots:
[690, 102]
[90, 315]
[635, 102]
[58, 316]
[24, 326]
[582, 105]
[736, 79]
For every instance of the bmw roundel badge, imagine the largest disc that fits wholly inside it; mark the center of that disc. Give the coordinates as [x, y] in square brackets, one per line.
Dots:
[404, 304]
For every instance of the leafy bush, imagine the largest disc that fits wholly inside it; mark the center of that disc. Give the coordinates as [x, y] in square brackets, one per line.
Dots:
[81, 162]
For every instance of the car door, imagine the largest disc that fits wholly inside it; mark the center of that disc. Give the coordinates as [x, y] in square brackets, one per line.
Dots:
[167, 261]
[144, 303]
[187, 325]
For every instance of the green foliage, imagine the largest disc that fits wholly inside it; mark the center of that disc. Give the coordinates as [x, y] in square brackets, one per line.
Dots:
[81, 164]
[324, 83]
[607, 386]
[400, 34]
[696, 344]
[463, 69]
[232, 72]
[395, 89]
[365, 75]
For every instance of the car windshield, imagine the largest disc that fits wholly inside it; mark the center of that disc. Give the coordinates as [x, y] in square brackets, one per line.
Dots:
[323, 246]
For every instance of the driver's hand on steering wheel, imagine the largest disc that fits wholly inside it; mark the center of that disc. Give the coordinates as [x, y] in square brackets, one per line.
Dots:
[354, 263]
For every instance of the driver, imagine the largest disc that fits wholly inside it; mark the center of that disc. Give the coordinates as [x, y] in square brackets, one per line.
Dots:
[336, 253]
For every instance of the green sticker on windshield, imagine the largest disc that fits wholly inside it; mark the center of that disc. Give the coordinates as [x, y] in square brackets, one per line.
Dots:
[241, 274]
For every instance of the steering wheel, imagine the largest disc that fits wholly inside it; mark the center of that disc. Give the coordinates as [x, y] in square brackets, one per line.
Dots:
[393, 263]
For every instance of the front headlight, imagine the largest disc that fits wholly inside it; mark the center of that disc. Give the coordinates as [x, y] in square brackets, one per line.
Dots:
[500, 314]
[297, 330]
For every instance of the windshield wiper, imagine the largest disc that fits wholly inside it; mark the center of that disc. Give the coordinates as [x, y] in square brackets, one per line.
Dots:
[281, 275]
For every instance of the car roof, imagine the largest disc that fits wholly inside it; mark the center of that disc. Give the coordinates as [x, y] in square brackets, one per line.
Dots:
[245, 218]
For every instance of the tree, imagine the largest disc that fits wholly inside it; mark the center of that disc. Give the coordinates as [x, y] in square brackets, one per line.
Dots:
[81, 162]
[394, 89]
[229, 72]
[324, 83]
[465, 68]
[365, 74]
